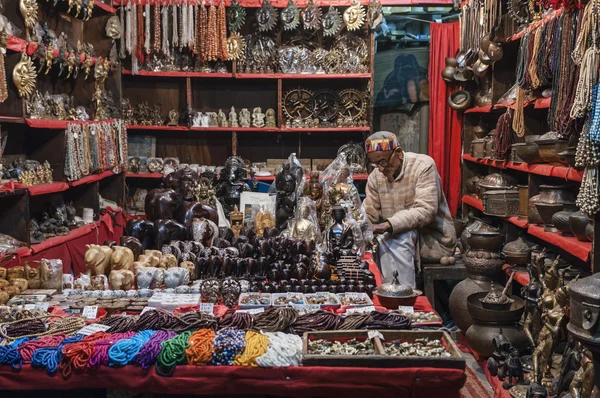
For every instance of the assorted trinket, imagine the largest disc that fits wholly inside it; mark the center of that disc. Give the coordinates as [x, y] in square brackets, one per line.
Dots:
[418, 348]
[350, 347]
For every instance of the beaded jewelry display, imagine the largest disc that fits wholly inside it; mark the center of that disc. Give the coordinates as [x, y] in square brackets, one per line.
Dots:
[227, 344]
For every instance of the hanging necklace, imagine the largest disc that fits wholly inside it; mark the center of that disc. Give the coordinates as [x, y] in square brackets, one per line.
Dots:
[157, 38]
[175, 37]
[222, 29]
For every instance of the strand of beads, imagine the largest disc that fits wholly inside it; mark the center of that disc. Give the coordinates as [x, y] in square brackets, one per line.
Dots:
[257, 345]
[284, 350]
[27, 349]
[10, 355]
[172, 354]
[227, 344]
[147, 355]
[77, 355]
[123, 351]
[50, 357]
[200, 350]
[100, 355]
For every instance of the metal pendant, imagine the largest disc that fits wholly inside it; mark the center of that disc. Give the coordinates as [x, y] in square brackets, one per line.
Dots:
[266, 16]
[290, 16]
[354, 16]
[332, 22]
[24, 76]
[311, 16]
[236, 16]
[235, 46]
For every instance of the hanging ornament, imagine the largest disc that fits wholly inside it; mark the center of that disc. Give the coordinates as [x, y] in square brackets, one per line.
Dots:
[290, 16]
[24, 75]
[266, 16]
[375, 14]
[235, 45]
[236, 16]
[354, 16]
[332, 22]
[29, 11]
[311, 16]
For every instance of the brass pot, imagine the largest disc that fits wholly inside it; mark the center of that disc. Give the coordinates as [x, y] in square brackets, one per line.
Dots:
[533, 214]
[479, 130]
[458, 299]
[547, 210]
[556, 194]
[485, 240]
[561, 219]
[448, 71]
[529, 153]
[475, 224]
[514, 156]
[549, 150]
[496, 181]
[578, 223]
[516, 252]
[483, 263]
[460, 100]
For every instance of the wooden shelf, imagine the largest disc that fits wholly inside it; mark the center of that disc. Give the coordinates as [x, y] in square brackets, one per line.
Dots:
[569, 244]
[324, 129]
[323, 3]
[57, 240]
[59, 124]
[238, 129]
[521, 277]
[163, 128]
[302, 76]
[562, 172]
[482, 109]
[178, 74]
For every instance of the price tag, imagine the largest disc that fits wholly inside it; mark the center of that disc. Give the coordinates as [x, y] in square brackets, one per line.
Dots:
[93, 328]
[207, 307]
[253, 311]
[374, 333]
[29, 306]
[353, 295]
[299, 307]
[146, 309]
[313, 307]
[292, 295]
[407, 309]
[42, 306]
[368, 308]
[90, 311]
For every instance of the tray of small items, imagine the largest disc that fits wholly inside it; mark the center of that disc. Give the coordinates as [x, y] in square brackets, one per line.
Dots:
[419, 348]
[381, 349]
[422, 318]
[249, 301]
[287, 299]
[324, 299]
[354, 299]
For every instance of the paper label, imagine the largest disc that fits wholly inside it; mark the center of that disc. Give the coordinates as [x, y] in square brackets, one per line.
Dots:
[292, 295]
[42, 306]
[374, 333]
[407, 309]
[93, 328]
[313, 307]
[353, 295]
[207, 307]
[253, 310]
[90, 311]
[29, 306]
[368, 308]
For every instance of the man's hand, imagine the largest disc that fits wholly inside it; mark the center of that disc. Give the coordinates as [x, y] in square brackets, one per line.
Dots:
[379, 229]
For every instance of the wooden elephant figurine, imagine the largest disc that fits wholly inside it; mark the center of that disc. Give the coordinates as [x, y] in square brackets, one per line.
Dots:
[134, 244]
[161, 204]
[122, 258]
[3, 273]
[151, 257]
[121, 279]
[192, 210]
[168, 230]
[142, 230]
[97, 259]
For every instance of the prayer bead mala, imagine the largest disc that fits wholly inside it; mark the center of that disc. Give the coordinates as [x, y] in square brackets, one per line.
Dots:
[50, 357]
[211, 34]
[257, 344]
[27, 349]
[240, 320]
[156, 39]
[355, 321]
[222, 32]
[100, 355]
[276, 319]
[203, 38]
[319, 320]
[284, 350]
[388, 320]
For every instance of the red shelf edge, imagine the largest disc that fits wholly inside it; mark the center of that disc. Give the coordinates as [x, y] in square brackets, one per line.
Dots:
[144, 175]
[166, 128]
[521, 277]
[569, 244]
[324, 129]
[57, 240]
[91, 178]
[473, 202]
[178, 74]
[105, 7]
[323, 3]
[481, 109]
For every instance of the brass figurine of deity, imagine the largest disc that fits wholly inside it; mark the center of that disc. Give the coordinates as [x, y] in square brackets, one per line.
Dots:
[236, 219]
[263, 220]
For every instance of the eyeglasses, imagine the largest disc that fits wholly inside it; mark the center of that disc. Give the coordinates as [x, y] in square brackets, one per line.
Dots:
[382, 162]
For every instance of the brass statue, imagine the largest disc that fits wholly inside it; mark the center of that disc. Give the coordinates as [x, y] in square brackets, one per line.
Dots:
[315, 191]
[303, 228]
[262, 220]
[48, 58]
[205, 193]
[173, 118]
[236, 218]
[354, 16]
[24, 76]
[582, 385]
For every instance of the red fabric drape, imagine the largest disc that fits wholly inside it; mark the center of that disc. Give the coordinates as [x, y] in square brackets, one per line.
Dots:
[445, 144]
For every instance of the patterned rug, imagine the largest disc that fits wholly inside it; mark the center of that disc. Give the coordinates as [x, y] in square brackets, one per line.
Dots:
[473, 387]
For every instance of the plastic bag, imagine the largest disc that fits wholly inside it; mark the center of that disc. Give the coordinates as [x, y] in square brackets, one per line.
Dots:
[305, 225]
[51, 274]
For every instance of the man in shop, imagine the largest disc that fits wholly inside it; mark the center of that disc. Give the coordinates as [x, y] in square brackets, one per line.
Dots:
[408, 209]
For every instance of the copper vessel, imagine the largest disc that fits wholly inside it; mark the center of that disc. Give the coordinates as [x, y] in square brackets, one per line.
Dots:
[483, 263]
[556, 194]
[578, 222]
[496, 181]
[547, 211]
[516, 252]
[561, 219]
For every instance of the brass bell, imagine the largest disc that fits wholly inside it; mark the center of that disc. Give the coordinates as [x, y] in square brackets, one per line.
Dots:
[448, 71]
[460, 100]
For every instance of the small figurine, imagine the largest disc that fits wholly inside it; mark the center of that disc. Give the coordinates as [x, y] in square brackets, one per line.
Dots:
[173, 118]
[271, 122]
[245, 118]
[222, 119]
[315, 191]
[204, 193]
[285, 201]
[263, 220]
[258, 118]
[340, 235]
[233, 119]
[304, 229]
[583, 380]
[236, 218]
[214, 120]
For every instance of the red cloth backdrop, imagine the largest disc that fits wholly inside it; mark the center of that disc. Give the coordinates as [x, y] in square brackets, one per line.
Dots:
[445, 144]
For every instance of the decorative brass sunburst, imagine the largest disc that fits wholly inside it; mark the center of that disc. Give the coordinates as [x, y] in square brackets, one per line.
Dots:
[24, 76]
[235, 46]
[332, 22]
[290, 16]
[354, 16]
[266, 16]
[311, 16]
[236, 16]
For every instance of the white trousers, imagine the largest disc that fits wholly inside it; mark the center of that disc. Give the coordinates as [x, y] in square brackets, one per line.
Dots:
[398, 253]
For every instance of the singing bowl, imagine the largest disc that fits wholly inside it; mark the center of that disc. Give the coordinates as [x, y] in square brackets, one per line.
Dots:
[392, 303]
[460, 100]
